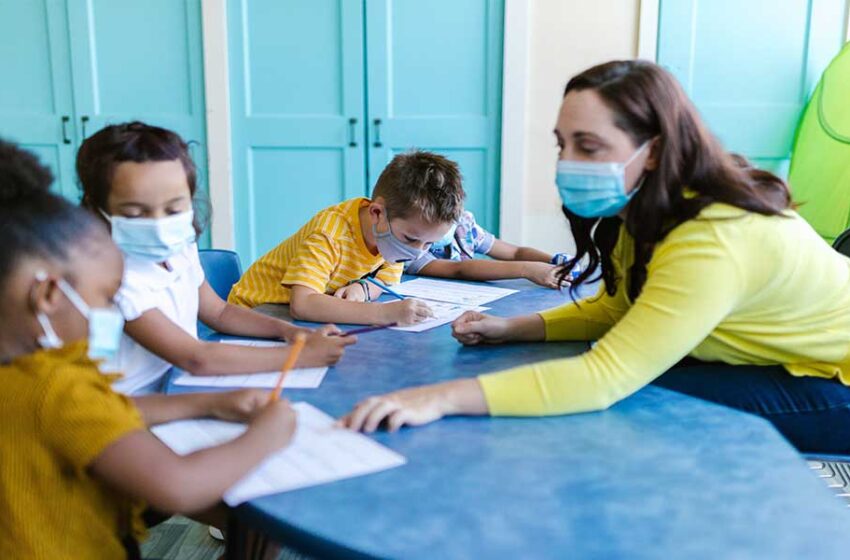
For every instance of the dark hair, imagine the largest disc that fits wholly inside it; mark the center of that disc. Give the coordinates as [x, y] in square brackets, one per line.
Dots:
[33, 221]
[423, 184]
[648, 103]
[134, 141]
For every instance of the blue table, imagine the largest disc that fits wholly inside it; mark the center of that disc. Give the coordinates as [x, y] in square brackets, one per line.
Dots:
[660, 475]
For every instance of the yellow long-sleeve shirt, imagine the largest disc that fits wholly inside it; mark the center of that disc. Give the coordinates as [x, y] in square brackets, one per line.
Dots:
[730, 286]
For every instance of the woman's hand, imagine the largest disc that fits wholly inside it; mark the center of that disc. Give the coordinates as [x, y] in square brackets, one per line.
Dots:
[474, 327]
[412, 407]
[237, 406]
[416, 406]
[352, 292]
[324, 347]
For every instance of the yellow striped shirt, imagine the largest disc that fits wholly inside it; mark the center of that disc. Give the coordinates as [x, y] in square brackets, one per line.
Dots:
[325, 255]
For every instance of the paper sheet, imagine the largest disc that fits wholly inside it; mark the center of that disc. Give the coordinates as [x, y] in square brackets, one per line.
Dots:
[470, 295]
[443, 313]
[299, 378]
[318, 454]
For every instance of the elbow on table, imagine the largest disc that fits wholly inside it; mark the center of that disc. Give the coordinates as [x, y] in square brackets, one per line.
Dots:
[199, 362]
[299, 308]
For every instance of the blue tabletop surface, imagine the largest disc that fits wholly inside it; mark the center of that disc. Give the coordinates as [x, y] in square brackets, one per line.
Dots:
[659, 475]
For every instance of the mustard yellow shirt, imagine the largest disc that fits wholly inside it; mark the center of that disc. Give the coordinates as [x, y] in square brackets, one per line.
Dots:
[325, 255]
[57, 414]
[730, 286]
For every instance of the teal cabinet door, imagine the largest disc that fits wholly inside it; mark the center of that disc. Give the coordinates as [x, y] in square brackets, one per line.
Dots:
[296, 69]
[750, 65]
[36, 103]
[140, 61]
[434, 82]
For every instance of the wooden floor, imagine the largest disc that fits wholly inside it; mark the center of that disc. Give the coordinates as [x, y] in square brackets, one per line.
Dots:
[181, 538]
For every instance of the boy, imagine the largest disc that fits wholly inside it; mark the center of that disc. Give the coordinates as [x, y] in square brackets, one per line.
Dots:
[319, 270]
[453, 256]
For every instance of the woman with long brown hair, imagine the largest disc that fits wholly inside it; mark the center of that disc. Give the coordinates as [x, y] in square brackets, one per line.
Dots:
[702, 259]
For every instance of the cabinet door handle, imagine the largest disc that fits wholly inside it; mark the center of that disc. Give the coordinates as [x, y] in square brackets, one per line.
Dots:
[65, 120]
[378, 142]
[352, 132]
[83, 120]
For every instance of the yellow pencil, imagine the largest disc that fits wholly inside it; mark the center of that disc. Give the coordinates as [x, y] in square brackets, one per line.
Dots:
[297, 346]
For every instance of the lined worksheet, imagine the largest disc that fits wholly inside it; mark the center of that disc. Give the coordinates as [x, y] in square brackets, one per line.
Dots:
[298, 378]
[319, 453]
[470, 295]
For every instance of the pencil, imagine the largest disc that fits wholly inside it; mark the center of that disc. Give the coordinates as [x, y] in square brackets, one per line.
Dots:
[297, 346]
[368, 329]
[385, 288]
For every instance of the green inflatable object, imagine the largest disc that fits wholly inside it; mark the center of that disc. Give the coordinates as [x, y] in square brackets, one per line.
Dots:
[819, 175]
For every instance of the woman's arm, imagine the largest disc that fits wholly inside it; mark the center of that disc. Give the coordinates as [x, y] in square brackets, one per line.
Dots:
[691, 287]
[236, 320]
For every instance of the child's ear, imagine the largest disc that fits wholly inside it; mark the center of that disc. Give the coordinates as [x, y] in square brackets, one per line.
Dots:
[45, 294]
[376, 209]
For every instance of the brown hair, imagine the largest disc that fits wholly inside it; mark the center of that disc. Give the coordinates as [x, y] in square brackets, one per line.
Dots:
[422, 184]
[134, 141]
[648, 102]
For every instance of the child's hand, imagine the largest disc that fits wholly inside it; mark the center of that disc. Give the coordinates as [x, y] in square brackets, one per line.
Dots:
[274, 424]
[352, 292]
[324, 347]
[406, 311]
[543, 274]
[473, 328]
[237, 406]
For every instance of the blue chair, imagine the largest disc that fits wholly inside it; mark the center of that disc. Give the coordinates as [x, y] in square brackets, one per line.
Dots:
[222, 269]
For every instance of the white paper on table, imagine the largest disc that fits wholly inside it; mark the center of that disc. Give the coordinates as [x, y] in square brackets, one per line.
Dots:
[443, 313]
[319, 453]
[298, 378]
[471, 295]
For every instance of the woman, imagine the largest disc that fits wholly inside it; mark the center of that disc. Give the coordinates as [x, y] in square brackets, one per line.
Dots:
[700, 255]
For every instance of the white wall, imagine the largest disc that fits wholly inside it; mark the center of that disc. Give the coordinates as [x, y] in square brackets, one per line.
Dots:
[564, 38]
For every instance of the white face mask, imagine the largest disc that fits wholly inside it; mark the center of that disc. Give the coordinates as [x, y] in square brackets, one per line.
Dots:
[105, 324]
[153, 239]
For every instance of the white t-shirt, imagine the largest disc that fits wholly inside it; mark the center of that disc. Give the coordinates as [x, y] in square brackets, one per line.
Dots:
[148, 285]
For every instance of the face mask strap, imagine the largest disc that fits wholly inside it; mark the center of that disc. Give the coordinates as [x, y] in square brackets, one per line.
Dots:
[74, 298]
[637, 153]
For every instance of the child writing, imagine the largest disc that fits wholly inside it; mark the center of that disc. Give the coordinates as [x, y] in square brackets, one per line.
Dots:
[77, 464]
[320, 271]
[142, 180]
[453, 256]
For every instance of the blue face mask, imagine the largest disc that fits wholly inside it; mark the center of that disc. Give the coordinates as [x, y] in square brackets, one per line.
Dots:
[105, 324]
[594, 189]
[393, 249]
[446, 240]
[153, 239]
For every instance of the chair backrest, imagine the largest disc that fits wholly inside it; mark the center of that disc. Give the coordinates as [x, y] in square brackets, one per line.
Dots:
[222, 269]
[842, 243]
